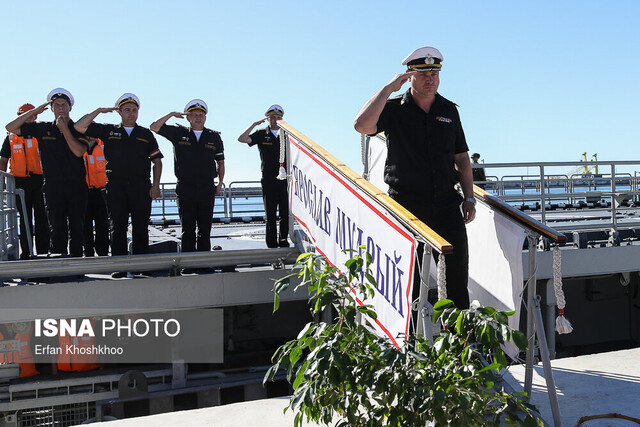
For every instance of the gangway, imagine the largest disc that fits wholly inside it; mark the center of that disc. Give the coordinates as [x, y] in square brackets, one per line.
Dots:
[255, 269]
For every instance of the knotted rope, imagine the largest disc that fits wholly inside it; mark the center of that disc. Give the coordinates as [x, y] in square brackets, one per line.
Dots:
[282, 172]
[563, 326]
[442, 278]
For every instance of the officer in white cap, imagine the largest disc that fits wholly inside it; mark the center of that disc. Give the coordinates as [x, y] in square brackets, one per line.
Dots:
[129, 150]
[274, 190]
[198, 160]
[65, 188]
[427, 155]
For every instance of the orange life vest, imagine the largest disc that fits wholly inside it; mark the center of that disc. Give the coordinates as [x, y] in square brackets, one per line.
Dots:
[24, 357]
[77, 362]
[25, 158]
[95, 165]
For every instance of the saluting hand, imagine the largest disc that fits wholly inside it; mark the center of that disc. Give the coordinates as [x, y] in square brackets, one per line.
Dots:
[396, 83]
[40, 108]
[179, 115]
[107, 109]
[257, 122]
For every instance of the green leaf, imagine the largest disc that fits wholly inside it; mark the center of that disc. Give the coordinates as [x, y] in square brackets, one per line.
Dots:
[295, 355]
[276, 302]
[520, 339]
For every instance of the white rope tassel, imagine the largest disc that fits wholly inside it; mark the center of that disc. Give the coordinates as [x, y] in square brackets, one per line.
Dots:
[563, 326]
[442, 278]
[282, 172]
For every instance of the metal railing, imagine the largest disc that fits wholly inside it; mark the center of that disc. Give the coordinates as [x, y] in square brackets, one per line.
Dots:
[9, 247]
[239, 199]
[611, 198]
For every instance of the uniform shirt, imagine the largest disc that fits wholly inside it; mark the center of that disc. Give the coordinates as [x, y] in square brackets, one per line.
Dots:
[194, 160]
[5, 151]
[421, 147]
[128, 156]
[57, 160]
[269, 146]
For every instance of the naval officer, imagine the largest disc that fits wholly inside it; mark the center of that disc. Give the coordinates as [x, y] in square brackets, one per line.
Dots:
[198, 159]
[427, 156]
[65, 188]
[129, 150]
[274, 190]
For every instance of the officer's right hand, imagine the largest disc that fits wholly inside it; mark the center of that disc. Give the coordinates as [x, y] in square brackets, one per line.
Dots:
[257, 122]
[179, 115]
[107, 109]
[396, 83]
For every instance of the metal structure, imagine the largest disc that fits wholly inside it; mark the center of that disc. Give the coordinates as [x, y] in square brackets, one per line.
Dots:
[9, 247]
[602, 201]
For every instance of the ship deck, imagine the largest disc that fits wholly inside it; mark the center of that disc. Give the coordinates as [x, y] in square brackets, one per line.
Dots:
[596, 384]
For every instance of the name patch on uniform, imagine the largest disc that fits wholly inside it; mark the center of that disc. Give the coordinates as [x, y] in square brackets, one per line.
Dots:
[443, 119]
[142, 140]
[184, 143]
[49, 137]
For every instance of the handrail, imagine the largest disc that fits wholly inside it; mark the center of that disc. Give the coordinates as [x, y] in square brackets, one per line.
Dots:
[517, 216]
[421, 229]
[47, 267]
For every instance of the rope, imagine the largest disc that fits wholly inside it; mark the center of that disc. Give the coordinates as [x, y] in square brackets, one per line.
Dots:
[563, 326]
[442, 278]
[282, 172]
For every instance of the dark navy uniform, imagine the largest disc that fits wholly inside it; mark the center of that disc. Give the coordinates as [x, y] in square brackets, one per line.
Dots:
[65, 188]
[421, 175]
[34, 201]
[196, 168]
[128, 170]
[274, 191]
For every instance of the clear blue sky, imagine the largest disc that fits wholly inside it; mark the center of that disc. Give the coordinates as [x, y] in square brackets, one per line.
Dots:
[535, 81]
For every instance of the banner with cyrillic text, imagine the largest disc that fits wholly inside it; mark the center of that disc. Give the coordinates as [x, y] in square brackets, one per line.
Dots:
[338, 216]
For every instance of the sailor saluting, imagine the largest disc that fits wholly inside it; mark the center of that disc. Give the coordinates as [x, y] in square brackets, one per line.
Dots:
[427, 156]
[129, 150]
[65, 188]
[199, 159]
[274, 188]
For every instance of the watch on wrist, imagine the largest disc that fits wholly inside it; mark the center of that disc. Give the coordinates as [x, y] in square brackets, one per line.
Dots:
[470, 199]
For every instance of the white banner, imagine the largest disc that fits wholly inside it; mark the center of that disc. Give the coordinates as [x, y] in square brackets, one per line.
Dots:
[377, 157]
[495, 264]
[338, 216]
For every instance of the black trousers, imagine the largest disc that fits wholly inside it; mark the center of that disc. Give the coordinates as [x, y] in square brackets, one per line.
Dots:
[34, 202]
[96, 218]
[276, 206]
[446, 220]
[66, 202]
[195, 207]
[126, 198]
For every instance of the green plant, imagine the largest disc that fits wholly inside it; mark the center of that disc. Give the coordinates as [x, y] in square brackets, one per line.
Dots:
[344, 373]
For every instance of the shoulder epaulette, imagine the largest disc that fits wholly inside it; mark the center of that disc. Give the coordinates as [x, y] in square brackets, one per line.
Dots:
[446, 101]
[396, 99]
